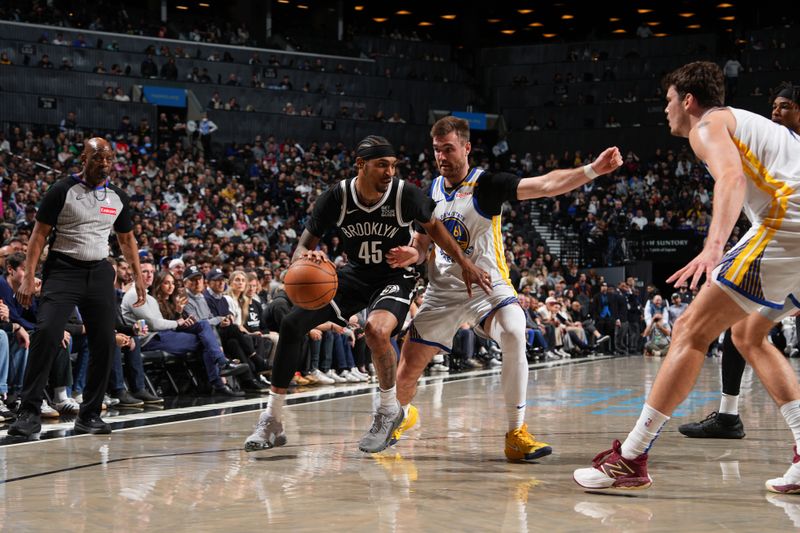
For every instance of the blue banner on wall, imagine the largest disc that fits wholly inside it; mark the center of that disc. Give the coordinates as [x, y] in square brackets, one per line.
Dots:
[166, 96]
[477, 121]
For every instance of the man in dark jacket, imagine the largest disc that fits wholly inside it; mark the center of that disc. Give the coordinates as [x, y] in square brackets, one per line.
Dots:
[602, 310]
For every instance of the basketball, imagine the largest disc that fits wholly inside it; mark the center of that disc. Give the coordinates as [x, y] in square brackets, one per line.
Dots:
[311, 285]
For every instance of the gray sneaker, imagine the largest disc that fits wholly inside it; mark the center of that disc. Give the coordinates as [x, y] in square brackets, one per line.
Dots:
[267, 434]
[380, 434]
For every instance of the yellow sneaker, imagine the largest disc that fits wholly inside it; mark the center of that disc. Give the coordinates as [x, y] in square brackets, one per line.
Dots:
[409, 422]
[522, 446]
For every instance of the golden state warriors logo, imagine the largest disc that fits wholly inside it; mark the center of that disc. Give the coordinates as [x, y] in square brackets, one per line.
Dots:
[459, 231]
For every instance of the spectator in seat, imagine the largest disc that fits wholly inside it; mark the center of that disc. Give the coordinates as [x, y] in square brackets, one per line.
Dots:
[181, 335]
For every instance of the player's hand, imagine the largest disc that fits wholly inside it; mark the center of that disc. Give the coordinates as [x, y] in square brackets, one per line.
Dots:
[473, 275]
[704, 263]
[26, 290]
[402, 256]
[607, 161]
[316, 256]
[141, 292]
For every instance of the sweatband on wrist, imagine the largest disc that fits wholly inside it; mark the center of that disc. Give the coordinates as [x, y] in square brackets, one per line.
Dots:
[589, 171]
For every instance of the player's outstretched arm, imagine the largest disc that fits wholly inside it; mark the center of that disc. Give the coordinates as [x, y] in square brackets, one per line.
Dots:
[712, 143]
[561, 181]
[471, 274]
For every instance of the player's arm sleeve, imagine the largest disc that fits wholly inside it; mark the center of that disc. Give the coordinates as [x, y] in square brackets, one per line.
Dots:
[495, 189]
[53, 202]
[326, 212]
[124, 222]
[416, 206]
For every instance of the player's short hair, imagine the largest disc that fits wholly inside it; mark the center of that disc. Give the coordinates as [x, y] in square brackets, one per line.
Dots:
[702, 79]
[445, 125]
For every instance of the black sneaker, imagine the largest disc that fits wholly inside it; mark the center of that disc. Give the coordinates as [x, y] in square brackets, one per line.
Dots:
[715, 426]
[255, 387]
[93, 425]
[232, 369]
[147, 397]
[27, 424]
[127, 400]
[227, 391]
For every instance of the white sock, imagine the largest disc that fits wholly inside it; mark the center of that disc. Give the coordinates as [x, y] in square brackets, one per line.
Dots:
[729, 404]
[60, 393]
[791, 413]
[644, 433]
[388, 400]
[275, 405]
[508, 329]
[405, 409]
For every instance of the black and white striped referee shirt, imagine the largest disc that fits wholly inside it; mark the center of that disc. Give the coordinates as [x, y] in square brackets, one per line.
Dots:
[82, 217]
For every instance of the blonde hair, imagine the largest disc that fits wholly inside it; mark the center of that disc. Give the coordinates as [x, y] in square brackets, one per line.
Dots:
[242, 299]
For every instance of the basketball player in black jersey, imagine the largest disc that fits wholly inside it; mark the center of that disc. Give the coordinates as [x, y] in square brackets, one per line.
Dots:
[373, 213]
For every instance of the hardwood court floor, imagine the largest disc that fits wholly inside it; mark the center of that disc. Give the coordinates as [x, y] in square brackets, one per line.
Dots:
[450, 475]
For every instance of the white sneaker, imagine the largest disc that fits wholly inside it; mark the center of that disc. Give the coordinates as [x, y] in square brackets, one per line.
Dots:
[322, 378]
[335, 377]
[78, 396]
[49, 412]
[5, 413]
[268, 433]
[551, 355]
[494, 363]
[563, 353]
[109, 401]
[440, 367]
[350, 377]
[360, 375]
[68, 407]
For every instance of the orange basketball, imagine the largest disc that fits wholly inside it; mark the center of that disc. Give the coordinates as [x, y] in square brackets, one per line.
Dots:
[311, 285]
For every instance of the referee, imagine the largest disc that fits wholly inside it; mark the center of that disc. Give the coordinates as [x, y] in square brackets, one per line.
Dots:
[77, 214]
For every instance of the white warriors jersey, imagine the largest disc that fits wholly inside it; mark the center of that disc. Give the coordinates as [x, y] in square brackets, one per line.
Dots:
[770, 156]
[479, 236]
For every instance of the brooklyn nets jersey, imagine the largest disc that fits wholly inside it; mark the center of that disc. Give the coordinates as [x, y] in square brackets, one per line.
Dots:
[368, 233]
[471, 213]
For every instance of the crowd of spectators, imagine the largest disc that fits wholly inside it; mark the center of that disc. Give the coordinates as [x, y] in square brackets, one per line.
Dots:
[126, 19]
[232, 219]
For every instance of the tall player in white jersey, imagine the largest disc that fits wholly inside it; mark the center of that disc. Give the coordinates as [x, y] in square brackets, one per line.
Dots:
[756, 166]
[469, 202]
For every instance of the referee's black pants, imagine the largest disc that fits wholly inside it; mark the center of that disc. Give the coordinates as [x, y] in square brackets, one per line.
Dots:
[68, 283]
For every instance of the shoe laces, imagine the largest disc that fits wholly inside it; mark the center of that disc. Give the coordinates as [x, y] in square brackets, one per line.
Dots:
[522, 434]
[600, 458]
[711, 416]
[381, 420]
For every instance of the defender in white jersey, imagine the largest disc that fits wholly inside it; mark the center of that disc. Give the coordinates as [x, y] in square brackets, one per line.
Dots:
[756, 167]
[469, 203]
